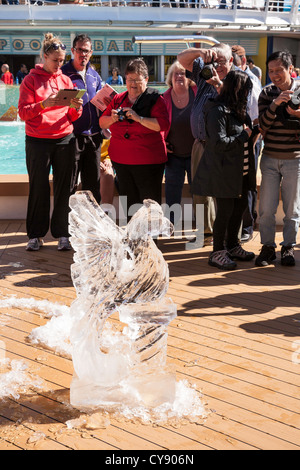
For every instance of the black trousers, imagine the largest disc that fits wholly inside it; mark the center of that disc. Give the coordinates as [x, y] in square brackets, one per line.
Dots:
[139, 182]
[87, 163]
[40, 157]
[228, 219]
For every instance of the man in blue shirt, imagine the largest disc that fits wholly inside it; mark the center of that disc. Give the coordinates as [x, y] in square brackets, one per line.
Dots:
[194, 60]
[86, 129]
[21, 74]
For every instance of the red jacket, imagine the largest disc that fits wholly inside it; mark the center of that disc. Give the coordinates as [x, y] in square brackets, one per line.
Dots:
[48, 123]
[168, 100]
[7, 78]
[144, 146]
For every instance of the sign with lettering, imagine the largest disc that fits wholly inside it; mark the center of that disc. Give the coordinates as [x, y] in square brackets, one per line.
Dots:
[107, 45]
[10, 44]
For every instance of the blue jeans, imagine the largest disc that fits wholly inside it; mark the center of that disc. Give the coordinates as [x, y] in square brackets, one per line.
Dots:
[176, 168]
[285, 175]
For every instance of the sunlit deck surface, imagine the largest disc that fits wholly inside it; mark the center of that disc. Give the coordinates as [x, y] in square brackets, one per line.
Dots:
[236, 338]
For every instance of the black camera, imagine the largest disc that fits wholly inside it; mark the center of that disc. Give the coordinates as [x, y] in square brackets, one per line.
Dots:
[207, 71]
[122, 114]
[294, 102]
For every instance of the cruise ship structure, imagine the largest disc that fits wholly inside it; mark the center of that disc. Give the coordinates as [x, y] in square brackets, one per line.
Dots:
[156, 30]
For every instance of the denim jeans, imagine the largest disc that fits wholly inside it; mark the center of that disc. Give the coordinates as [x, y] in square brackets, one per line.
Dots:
[285, 175]
[175, 171]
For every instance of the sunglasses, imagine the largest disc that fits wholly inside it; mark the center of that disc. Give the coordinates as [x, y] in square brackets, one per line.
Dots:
[55, 46]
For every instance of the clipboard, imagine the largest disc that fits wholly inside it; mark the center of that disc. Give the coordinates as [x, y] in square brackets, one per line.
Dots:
[66, 95]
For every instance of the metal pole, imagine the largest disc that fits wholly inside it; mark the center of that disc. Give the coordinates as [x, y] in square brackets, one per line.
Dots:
[174, 39]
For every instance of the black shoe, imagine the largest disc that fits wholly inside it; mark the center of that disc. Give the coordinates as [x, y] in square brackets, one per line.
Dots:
[221, 260]
[266, 256]
[287, 256]
[240, 254]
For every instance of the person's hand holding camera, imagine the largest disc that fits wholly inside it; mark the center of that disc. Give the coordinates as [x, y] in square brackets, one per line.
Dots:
[114, 115]
[131, 114]
[293, 112]
[215, 80]
[208, 55]
[284, 97]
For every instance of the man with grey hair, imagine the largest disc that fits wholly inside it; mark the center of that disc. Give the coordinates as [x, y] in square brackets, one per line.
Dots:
[194, 61]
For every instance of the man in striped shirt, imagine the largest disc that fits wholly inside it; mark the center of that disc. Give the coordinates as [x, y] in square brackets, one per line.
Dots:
[280, 162]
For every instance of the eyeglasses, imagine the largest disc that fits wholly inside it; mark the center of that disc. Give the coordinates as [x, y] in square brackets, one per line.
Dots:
[130, 80]
[82, 51]
[55, 46]
[221, 63]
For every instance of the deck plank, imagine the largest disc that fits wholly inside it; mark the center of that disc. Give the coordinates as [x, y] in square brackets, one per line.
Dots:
[236, 339]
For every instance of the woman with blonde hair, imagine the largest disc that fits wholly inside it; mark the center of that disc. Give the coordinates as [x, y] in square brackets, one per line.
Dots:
[179, 99]
[50, 143]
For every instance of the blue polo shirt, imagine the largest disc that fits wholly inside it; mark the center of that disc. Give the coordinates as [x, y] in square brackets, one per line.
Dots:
[204, 92]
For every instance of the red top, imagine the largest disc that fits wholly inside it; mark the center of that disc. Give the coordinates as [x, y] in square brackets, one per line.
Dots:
[143, 146]
[52, 122]
[7, 78]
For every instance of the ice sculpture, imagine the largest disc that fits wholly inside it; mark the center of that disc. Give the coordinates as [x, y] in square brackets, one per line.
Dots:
[119, 270]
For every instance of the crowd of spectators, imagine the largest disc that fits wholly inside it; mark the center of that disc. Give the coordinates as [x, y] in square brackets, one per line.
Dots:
[181, 134]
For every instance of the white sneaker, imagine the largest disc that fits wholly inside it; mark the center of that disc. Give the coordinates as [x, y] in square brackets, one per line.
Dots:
[34, 244]
[64, 244]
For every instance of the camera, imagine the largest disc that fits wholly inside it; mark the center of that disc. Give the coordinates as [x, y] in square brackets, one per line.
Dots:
[294, 102]
[290, 122]
[122, 114]
[207, 71]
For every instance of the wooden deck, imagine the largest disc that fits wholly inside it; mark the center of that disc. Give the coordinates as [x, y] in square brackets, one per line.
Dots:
[236, 338]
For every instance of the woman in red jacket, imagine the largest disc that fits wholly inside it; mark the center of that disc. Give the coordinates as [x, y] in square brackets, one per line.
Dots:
[137, 148]
[179, 99]
[49, 143]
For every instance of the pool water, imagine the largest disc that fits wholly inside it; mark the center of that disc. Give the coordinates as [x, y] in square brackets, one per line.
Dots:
[12, 148]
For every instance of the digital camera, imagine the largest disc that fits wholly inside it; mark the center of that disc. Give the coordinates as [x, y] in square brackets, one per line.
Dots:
[289, 121]
[121, 114]
[294, 102]
[207, 71]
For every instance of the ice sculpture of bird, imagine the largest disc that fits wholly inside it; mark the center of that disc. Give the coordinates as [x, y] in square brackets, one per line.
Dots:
[120, 269]
[118, 265]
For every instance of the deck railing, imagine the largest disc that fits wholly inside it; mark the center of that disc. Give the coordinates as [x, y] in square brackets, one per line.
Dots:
[262, 5]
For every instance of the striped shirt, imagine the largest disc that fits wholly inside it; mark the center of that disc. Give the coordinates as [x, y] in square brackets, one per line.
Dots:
[246, 159]
[279, 141]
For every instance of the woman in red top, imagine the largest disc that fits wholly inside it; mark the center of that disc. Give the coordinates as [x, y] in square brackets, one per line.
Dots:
[49, 143]
[137, 148]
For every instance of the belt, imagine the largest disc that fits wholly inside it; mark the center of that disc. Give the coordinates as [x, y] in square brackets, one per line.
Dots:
[201, 141]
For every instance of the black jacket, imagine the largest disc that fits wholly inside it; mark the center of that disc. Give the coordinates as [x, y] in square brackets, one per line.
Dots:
[220, 171]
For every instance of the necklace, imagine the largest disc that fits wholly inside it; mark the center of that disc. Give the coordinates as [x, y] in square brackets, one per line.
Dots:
[182, 99]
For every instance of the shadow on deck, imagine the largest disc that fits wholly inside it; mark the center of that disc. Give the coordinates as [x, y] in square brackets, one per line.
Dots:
[236, 339]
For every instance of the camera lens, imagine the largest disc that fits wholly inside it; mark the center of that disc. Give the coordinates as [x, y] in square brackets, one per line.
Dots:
[207, 72]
